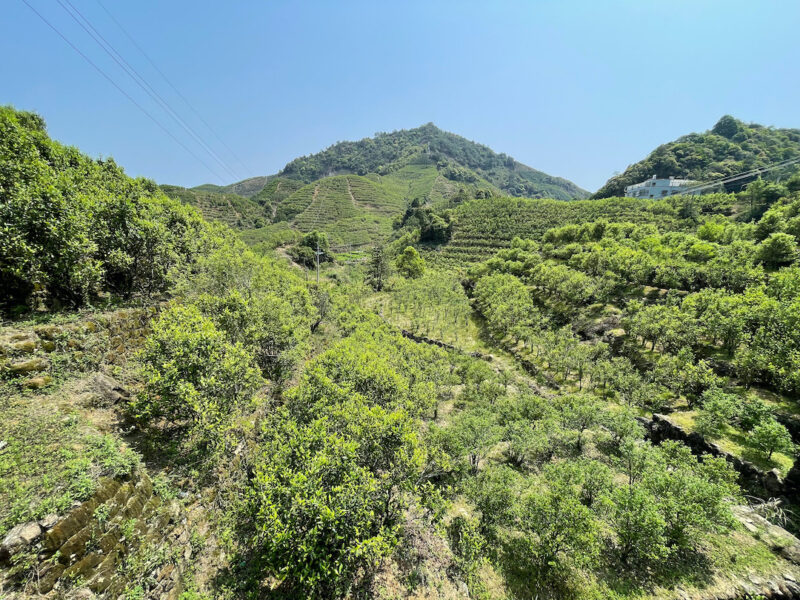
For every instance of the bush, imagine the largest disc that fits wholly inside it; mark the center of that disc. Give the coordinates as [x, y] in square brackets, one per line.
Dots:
[770, 436]
[717, 411]
[409, 263]
[193, 375]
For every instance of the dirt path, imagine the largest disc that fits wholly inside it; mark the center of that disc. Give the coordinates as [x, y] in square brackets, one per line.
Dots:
[350, 191]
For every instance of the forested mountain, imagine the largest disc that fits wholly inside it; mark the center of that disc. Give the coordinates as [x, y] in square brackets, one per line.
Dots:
[502, 398]
[384, 174]
[729, 148]
[456, 157]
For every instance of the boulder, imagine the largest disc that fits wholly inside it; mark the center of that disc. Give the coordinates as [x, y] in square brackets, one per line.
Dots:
[28, 366]
[19, 538]
[108, 390]
[35, 383]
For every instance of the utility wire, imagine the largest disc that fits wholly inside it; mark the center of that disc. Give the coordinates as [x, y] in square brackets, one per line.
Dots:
[174, 89]
[123, 92]
[743, 175]
[109, 49]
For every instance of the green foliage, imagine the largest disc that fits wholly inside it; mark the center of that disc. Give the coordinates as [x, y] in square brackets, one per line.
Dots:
[235, 211]
[334, 466]
[717, 411]
[72, 227]
[378, 268]
[778, 250]
[731, 147]
[192, 374]
[304, 252]
[770, 436]
[409, 263]
[456, 157]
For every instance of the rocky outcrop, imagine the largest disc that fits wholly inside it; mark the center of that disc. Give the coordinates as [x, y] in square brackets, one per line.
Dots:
[89, 544]
[106, 338]
[765, 484]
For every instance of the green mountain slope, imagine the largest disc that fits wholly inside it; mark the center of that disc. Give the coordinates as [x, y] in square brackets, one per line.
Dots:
[247, 187]
[481, 227]
[234, 210]
[730, 147]
[383, 174]
[456, 157]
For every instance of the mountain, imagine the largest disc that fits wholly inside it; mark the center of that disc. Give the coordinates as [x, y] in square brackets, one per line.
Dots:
[457, 158]
[353, 190]
[730, 147]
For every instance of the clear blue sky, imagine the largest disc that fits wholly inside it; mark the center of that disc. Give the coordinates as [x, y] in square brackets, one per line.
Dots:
[578, 89]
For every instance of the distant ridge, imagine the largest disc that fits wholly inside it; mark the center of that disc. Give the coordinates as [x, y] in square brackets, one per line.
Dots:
[354, 190]
[730, 147]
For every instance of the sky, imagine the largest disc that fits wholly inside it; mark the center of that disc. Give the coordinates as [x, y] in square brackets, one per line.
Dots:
[575, 88]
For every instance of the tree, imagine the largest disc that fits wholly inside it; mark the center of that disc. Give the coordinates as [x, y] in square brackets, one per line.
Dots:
[409, 263]
[558, 532]
[322, 517]
[640, 527]
[472, 434]
[192, 373]
[717, 411]
[770, 436]
[778, 249]
[378, 268]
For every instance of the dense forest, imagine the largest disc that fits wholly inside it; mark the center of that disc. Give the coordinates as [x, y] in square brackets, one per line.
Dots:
[489, 398]
[729, 148]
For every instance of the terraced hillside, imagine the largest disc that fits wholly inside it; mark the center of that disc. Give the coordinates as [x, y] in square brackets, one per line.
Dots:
[233, 210]
[485, 225]
[247, 187]
[458, 158]
[351, 209]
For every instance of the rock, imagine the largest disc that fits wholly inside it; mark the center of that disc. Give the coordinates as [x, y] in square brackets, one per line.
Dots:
[773, 482]
[789, 577]
[48, 345]
[83, 594]
[24, 346]
[3, 445]
[36, 383]
[28, 366]
[109, 390]
[49, 521]
[19, 537]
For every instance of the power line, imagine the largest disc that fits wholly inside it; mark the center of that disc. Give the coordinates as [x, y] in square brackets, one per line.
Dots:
[109, 49]
[174, 89]
[122, 91]
[739, 176]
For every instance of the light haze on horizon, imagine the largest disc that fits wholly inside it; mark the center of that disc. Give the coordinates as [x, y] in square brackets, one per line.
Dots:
[579, 89]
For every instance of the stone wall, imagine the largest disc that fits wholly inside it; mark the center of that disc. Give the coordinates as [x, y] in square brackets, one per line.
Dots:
[86, 548]
[27, 355]
[765, 484]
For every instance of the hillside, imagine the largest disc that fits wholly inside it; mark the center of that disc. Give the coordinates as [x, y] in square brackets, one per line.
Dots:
[481, 227]
[234, 210]
[247, 187]
[729, 148]
[606, 406]
[456, 157]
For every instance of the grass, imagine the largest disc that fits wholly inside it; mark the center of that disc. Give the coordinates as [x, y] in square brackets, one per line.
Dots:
[53, 459]
[734, 441]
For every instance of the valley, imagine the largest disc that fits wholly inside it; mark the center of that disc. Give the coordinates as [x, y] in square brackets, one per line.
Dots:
[499, 388]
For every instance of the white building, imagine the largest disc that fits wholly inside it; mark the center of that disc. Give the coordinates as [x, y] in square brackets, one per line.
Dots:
[658, 188]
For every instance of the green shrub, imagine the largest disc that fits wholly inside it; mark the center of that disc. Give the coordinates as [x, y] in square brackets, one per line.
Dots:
[192, 374]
